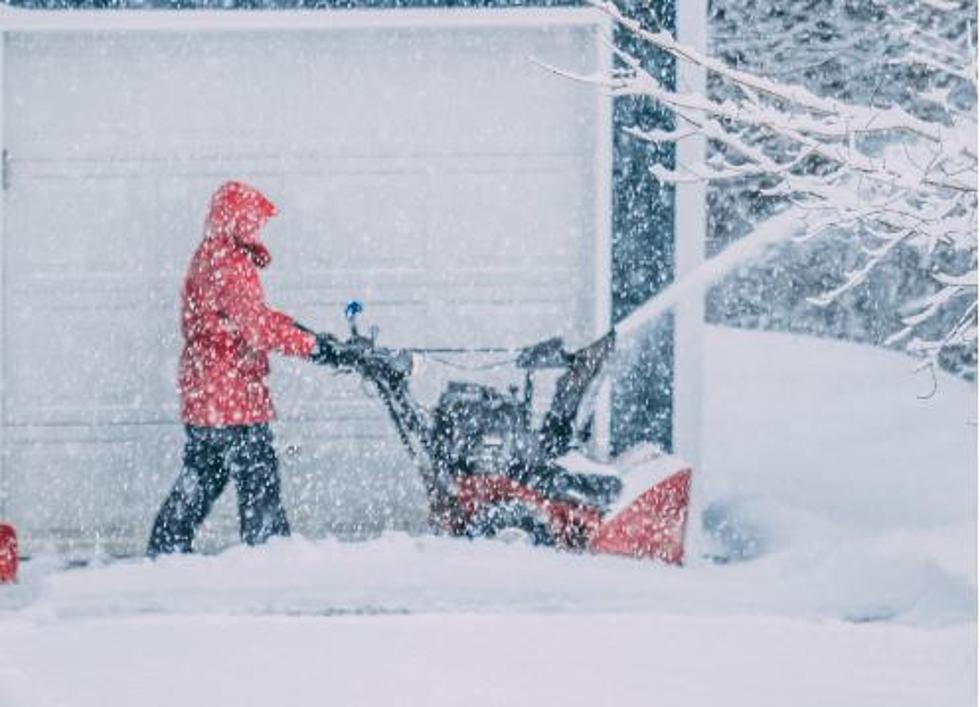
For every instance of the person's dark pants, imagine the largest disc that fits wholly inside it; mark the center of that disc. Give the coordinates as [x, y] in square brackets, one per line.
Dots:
[211, 455]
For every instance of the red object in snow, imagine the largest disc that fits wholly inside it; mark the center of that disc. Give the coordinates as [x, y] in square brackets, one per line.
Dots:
[651, 526]
[8, 553]
[228, 328]
[571, 523]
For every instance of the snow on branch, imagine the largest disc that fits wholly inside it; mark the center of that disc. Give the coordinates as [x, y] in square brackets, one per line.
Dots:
[836, 112]
[888, 172]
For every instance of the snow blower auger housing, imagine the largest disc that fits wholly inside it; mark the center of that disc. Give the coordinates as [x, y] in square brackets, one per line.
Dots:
[488, 470]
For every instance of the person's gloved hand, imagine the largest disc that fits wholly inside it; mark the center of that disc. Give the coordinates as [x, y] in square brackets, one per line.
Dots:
[326, 351]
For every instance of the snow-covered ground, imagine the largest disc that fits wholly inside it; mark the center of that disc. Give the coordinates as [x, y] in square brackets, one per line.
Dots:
[570, 659]
[845, 505]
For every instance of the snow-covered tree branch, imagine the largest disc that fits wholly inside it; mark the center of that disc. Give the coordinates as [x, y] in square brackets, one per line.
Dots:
[885, 172]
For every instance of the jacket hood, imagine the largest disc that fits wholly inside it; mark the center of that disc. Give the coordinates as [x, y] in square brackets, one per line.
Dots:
[238, 212]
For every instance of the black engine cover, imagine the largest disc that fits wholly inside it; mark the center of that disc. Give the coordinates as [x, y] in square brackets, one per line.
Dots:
[478, 430]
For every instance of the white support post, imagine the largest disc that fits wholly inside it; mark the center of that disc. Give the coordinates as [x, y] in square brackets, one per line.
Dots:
[4, 481]
[602, 423]
[690, 225]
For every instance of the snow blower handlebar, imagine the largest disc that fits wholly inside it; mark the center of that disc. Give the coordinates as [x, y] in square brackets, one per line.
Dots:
[549, 353]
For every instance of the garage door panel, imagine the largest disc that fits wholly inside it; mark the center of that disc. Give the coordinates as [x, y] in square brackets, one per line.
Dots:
[369, 220]
[353, 98]
[79, 109]
[75, 231]
[99, 497]
[433, 96]
[88, 485]
[526, 217]
[116, 96]
[77, 365]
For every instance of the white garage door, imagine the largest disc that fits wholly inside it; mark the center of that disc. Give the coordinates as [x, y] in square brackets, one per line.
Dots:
[421, 163]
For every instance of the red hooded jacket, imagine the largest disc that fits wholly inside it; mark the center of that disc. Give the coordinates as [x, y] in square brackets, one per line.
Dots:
[228, 328]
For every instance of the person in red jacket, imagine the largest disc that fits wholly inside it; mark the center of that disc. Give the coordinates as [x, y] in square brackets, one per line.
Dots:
[226, 408]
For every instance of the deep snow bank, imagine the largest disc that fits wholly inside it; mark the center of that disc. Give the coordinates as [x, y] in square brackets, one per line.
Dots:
[837, 429]
[824, 452]
[827, 487]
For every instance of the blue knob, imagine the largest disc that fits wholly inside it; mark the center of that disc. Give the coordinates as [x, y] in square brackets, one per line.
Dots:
[352, 309]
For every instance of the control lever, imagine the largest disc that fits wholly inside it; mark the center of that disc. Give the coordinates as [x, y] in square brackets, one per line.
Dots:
[351, 311]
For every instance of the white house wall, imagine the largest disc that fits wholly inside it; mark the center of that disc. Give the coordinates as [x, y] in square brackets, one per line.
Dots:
[431, 171]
